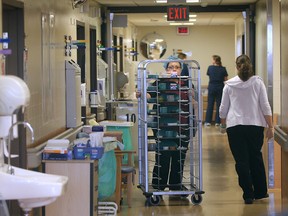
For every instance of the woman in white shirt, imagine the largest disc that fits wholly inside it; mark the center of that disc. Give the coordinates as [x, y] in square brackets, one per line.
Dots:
[245, 112]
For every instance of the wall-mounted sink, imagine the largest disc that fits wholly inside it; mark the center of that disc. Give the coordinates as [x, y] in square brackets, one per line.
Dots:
[28, 204]
[31, 189]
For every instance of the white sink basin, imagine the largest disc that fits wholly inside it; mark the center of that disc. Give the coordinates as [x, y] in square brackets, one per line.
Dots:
[31, 189]
[28, 204]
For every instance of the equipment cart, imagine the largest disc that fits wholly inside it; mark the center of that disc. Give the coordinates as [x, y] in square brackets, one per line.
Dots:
[170, 132]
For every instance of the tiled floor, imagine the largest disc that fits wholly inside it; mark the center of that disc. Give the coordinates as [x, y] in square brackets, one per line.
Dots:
[222, 197]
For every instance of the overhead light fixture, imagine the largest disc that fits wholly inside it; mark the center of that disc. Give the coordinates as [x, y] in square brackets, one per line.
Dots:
[177, 1]
[190, 15]
[180, 24]
[157, 40]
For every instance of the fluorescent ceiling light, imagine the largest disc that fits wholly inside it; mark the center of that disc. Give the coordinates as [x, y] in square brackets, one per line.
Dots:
[159, 40]
[180, 24]
[187, 1]
[176, 1]
[190, 15]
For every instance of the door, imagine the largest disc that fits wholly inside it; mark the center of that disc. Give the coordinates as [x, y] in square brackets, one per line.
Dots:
[81, 61]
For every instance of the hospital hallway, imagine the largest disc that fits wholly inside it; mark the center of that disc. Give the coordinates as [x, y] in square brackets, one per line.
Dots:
[223, 196]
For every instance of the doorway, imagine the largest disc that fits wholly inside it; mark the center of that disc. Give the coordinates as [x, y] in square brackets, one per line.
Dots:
[93, 64]
[81, 61]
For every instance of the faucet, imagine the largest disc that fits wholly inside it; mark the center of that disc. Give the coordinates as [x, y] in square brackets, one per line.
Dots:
[10, 137]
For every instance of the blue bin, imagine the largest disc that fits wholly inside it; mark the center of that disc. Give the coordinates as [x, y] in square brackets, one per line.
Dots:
[88, 152]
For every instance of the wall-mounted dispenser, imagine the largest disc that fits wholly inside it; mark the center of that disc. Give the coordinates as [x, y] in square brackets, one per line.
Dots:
[73, 94]
[101, 86]
[95, 99]
[83, 94]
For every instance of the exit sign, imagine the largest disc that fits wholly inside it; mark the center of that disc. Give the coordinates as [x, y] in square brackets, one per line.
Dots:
[182, 30]
[177, 13]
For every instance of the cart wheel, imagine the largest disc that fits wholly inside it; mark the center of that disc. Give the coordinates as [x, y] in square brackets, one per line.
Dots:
[154, 200]
[196, 199]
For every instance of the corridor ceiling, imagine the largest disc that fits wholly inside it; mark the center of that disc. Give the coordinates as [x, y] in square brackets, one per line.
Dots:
[209, 12]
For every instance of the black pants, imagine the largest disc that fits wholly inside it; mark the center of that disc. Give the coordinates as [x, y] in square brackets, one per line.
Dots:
[168, 169]
[246, 143]
[214, 95]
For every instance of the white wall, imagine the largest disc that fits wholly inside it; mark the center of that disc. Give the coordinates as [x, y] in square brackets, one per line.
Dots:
[261, 40]
[46, 113]
[262, 51]
[276, 59]
[203, 41]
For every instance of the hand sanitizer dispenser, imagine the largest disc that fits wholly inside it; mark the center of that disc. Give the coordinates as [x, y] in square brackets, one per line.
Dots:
[83, 94]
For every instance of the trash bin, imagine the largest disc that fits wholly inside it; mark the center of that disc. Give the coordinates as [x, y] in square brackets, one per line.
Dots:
[129, 112]
[125, 127]
[107, 175]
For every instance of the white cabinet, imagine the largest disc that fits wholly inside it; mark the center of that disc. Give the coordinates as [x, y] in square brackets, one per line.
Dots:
[81, 196]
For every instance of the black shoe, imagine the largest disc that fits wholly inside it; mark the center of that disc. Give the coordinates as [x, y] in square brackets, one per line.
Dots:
[248, 201]
[261, 197]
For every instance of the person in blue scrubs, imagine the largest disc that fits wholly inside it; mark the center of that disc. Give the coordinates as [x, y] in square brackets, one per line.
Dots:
[185, 70]
[217, 75]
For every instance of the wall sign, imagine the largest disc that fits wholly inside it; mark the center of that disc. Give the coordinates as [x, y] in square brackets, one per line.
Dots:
[177, 13]
[182, 30]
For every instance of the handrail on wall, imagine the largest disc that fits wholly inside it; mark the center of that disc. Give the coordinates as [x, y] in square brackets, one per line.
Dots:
[34, 154]
[281, 138]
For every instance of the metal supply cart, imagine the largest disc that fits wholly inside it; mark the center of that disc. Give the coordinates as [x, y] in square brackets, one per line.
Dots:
[170, 133]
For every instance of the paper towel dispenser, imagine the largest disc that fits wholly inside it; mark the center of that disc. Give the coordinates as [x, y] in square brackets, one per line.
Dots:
[83, 94]
[73, 94]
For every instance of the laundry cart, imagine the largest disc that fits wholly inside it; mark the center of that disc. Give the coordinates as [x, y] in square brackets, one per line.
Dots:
[170, 132]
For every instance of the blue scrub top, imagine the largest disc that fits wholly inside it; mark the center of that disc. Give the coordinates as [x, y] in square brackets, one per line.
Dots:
[216, 76]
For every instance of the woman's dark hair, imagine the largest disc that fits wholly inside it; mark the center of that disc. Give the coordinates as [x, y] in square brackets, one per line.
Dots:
[244, 67]
[182, 55]
[180, 65]
[171, 58]
[217, 60]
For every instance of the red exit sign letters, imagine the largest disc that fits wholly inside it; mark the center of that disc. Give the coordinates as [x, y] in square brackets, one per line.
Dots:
[182, 30]
[177, 13]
